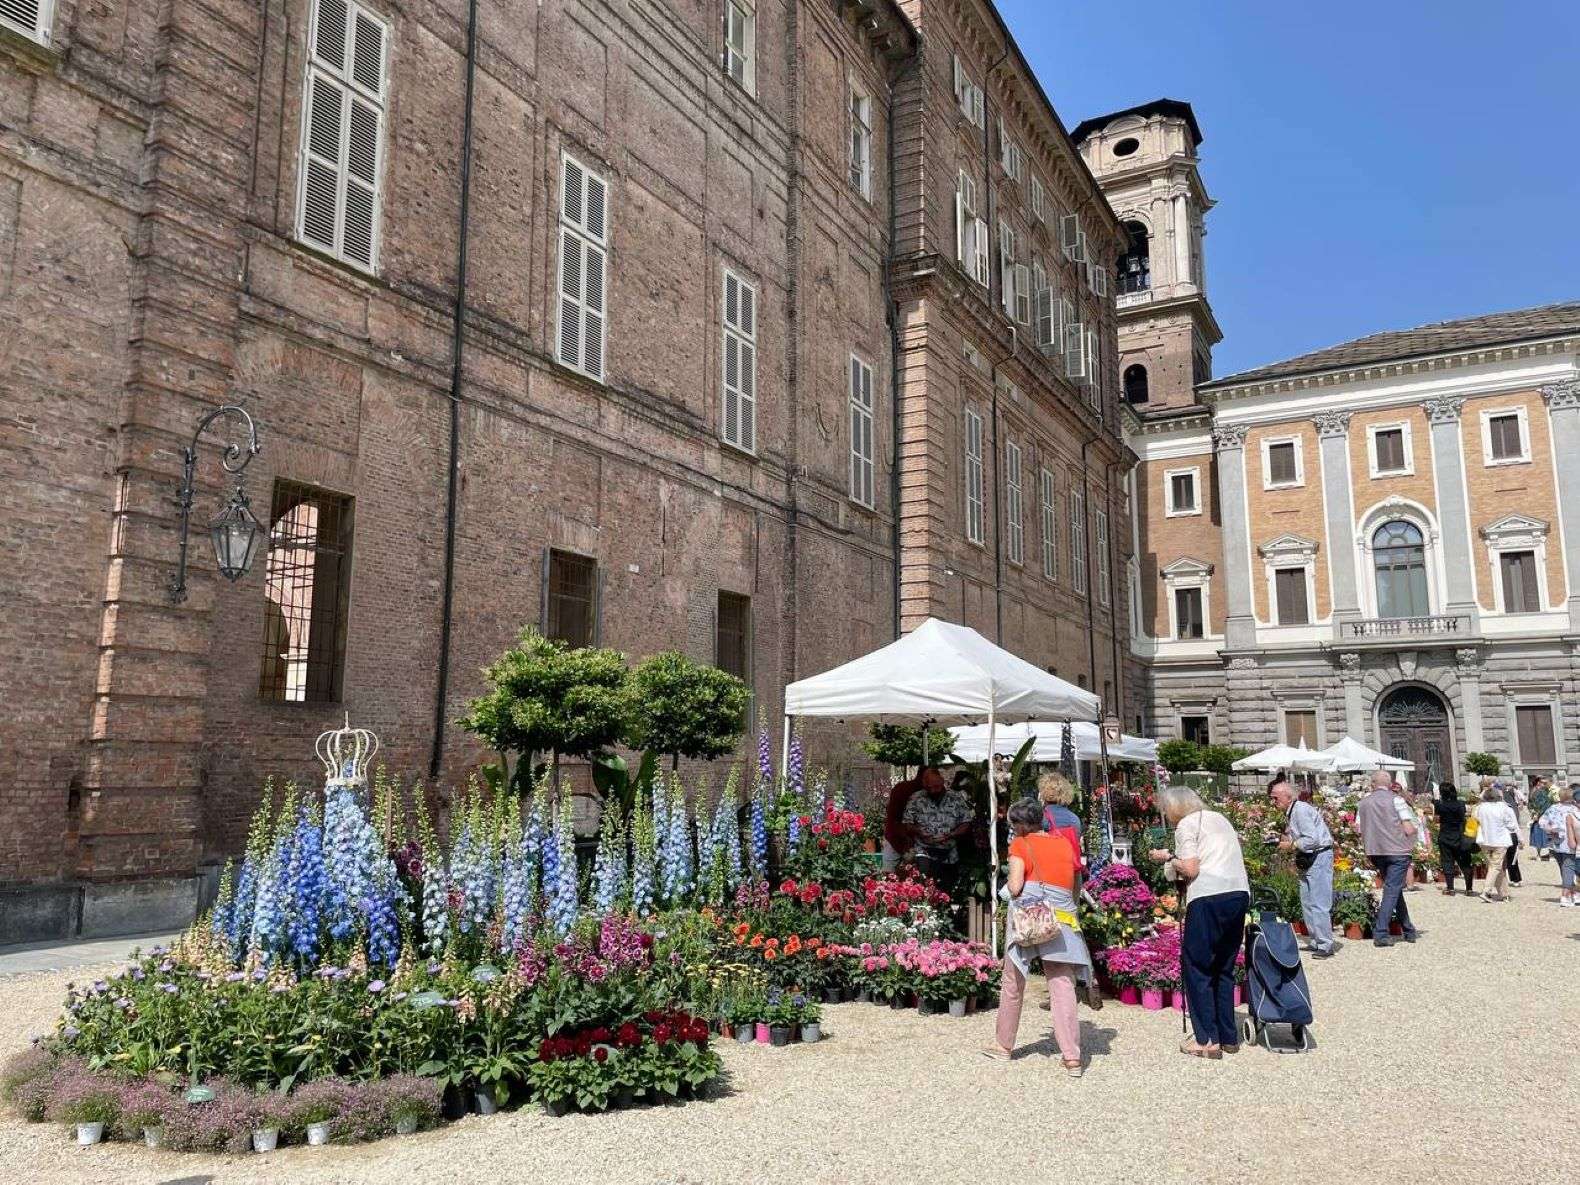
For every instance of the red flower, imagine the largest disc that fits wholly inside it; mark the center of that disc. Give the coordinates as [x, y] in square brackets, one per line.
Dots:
[822, 843]
[836, 829]
[662, 1034]
[787, 886]
[628, 1036]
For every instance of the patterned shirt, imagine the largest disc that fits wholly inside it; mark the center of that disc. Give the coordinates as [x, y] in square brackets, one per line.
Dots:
[938, 816]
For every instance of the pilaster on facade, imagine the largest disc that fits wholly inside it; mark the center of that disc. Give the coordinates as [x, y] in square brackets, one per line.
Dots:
[1563, 413]
[1469, 662]
[1352, 677]
[1333, 428]
[1453, 509]
[1240, 626]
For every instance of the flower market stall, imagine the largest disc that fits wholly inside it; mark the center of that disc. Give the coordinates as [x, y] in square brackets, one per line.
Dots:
[941, 673]
[1294, 758]
[1349, 756]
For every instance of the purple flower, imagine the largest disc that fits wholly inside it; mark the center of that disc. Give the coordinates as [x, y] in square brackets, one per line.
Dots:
[68, 1032]
[123, 1002]
[235, 977]
[376, 986]
[138, 973]
[168, 988]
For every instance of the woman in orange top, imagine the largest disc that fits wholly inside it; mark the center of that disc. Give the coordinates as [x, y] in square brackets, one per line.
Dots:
[1042, 871]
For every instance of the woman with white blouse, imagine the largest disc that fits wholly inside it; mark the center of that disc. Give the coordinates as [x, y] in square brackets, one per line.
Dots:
[1496, 826]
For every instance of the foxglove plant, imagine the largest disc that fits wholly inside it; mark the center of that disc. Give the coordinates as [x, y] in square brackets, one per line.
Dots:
[644, 843]
[609, 866]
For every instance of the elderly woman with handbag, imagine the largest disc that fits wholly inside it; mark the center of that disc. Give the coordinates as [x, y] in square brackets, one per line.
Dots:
[1042, 925]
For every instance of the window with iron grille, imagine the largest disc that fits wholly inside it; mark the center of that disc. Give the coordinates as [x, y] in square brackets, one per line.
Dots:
[572, 599]
[1196, 729]
[307, 585]
[733, 636]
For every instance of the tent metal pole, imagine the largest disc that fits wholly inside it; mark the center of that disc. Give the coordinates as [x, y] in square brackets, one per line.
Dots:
[784, 756]
[992, 842]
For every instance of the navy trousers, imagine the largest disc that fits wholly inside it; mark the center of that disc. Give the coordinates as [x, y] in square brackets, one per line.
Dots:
[1393, 907]
[1214, 931]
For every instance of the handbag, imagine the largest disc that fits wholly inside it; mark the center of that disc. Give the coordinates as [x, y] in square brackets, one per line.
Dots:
[1032, 925]
[1472, 826]
[1305, 860]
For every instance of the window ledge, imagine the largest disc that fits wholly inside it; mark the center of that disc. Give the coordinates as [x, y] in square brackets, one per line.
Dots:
[1284, 485]
[1182, 514]
[28, 51]
[1497, 463]
[729, 446]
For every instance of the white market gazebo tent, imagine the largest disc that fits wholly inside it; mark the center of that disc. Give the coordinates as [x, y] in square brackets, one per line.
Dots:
[1290, 757]
[971, 742]
[1349, 756]
[946, 674]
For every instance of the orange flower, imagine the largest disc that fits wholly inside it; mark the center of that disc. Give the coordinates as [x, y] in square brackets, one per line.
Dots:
[793, 945]
[773, 943]
[741, 931]
[757, 940]
[770, 954]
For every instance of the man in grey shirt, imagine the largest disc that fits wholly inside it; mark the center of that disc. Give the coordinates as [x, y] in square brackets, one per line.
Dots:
[1387, 830]
[1306, 834]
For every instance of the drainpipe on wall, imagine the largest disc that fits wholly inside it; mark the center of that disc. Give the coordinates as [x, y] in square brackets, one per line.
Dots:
[893, 311]
[1091, 586]
[992, 221]
[447, 613]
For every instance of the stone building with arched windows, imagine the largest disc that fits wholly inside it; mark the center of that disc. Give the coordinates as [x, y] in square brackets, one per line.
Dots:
[1377, 538]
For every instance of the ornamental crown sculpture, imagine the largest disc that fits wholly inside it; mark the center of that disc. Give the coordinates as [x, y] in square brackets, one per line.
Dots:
[346, 753]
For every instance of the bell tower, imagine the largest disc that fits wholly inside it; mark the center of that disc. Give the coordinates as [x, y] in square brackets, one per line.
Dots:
[1145, 158]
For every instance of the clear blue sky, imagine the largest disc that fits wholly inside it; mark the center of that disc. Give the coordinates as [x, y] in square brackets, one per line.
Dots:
[1376, 165]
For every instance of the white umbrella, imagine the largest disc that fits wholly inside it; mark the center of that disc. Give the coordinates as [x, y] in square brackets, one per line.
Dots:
[971, 742]
[1349, 756]
[1291, 757]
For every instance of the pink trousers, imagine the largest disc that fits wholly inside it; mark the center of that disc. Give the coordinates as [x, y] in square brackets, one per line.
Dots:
[1061, 999]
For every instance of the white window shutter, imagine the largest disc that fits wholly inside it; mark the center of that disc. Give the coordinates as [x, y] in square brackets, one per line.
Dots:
[367, 55]
[1069, 229]
[1022, 294]
[1075, 351]
[28, 17]
[331, 24]
[962, 224]
[980, 237]
[738, 412]
[583, 268]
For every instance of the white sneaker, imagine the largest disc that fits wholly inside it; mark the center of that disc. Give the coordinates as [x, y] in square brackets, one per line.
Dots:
[1566, 903]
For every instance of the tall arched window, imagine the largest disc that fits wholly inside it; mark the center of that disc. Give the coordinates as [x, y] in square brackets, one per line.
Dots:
[1399, 558]
[1135, 265]
[1136, 384]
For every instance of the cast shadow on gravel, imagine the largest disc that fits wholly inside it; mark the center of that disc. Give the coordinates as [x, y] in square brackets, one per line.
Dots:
[1095, 1042]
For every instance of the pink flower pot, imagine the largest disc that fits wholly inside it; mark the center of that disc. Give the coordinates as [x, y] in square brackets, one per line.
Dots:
[1177, 999]
[1239, 994]
[1129, 995]
[1152, 1000]
[763, 1036]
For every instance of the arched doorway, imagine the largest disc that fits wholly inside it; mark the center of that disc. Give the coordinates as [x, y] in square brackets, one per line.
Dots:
[1413, 722]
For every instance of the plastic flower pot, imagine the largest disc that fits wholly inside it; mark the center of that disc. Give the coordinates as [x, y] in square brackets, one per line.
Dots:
[779, 1034]
[812, 1033]
[1239, 994]
[832, 995]
[317, 1134]
[1177, 999]
[744, 1033]
[89, 1133]
[153, 1137]
[926, 1007]
[957, 1008]
[864, 996]
[1353, 931]
[554, 1108]
[455, 1103]
[265, 1139]
[484, 1101]
[1152, 1000]
[1129, 995]
[405, 1125]
[622, 1098]
[763, 1035]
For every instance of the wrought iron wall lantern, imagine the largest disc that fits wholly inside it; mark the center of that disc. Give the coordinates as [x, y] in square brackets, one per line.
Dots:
[235, 532]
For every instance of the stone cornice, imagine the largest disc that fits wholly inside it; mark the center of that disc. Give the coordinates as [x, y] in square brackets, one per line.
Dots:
[1401, 368]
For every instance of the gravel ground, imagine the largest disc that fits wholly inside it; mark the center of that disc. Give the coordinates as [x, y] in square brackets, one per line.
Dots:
[1438, 1061]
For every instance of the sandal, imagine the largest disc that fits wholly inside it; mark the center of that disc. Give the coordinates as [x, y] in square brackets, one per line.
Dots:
[1191, 1049]
[996, 1053]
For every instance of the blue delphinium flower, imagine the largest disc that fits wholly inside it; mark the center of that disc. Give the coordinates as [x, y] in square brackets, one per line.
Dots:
[609, 866]
[564, 905]
[759, 850]
[307, 885]
[515, 895]
[238, 930]
[435, 906]
[661, 837]
[795, 775]
[765, 758]
[678, 864]
[269, 913]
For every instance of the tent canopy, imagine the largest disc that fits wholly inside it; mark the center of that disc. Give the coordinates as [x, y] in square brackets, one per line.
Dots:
[1349, 756]
[971, 742]
[1291, 757]
[943, 672]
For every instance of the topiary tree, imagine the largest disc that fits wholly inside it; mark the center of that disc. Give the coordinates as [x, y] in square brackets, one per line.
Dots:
[548, 698]
[1483, 765]
[1220, 759]
[900, 744]
[1179, 756]
[682, 708]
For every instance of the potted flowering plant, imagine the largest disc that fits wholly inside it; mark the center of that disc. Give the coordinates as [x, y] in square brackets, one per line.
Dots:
[270, 1112]
[313, 1109]
[780, 1013]
[809, 1018]
[744, 1011]
[144, 1104]
[86, 1102]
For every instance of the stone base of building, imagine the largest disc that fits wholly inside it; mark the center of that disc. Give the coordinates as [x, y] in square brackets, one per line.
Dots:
[82, 910]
